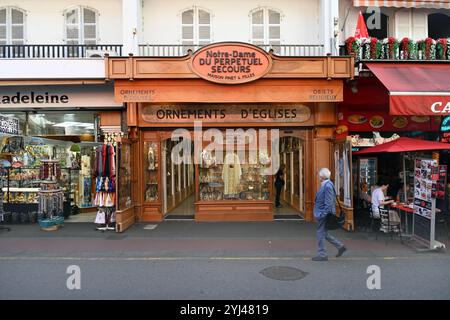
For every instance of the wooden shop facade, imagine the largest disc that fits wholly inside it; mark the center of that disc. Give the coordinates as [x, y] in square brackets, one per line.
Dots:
[272, 107]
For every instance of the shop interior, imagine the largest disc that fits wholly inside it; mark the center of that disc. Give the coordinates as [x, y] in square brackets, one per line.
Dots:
[240, 175]
[292, 156]
[69, 137]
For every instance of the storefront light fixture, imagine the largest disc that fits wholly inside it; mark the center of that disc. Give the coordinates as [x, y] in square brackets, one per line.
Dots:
[67, 124]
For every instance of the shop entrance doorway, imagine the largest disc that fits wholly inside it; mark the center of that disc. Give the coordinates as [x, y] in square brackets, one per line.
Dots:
[292, 156]
[177, 181]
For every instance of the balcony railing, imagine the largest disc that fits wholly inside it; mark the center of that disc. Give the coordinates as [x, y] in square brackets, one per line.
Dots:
[395, 49]
[30, 51]
[176, 50]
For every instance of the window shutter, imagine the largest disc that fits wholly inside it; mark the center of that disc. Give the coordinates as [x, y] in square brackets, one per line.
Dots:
[266, 27]
[72, 26]
[17, 27]
[3, 39]
[403, 24]
[89, 26]
[420, 25]
[187, 27]
[196, 27]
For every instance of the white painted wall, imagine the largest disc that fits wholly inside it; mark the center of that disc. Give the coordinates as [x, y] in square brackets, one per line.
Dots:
[161, 20]
[23, 69]
[45, 20]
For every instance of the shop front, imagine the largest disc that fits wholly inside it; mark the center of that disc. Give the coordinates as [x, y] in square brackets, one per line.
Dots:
[389, 101]
[210, 130]
[52, 123]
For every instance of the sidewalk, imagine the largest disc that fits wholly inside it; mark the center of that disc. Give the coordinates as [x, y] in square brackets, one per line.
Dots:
[277, 239]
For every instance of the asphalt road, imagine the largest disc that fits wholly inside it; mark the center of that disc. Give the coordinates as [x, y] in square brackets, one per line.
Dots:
[187, 265]
[223, 278]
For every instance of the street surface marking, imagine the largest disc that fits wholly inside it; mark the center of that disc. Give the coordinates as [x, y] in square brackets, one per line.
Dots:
[10, 258]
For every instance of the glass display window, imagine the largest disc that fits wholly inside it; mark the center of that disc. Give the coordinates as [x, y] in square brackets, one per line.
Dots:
[238, 175]
[151, 171]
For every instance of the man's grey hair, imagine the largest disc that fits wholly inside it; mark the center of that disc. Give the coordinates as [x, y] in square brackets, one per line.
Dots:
[325, 173]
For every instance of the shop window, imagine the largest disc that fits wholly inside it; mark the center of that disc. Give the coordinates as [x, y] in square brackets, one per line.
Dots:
[81, 25]
[265, 27]
[372, 26]
[438, 26]
[12, 26]
[343, 172]
[236, 170]
[196, 27]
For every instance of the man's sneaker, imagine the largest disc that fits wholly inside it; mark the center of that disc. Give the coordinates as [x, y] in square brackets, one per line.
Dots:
[341, 251]
[319, 258]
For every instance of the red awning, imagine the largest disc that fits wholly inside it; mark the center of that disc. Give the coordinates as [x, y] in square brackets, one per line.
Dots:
[404, 144]
[415, 89]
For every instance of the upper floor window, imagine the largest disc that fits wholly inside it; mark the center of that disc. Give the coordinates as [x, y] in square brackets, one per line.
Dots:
[438, 25]
[12, 26]
[196, 27]
[266, 27]
[81, 25]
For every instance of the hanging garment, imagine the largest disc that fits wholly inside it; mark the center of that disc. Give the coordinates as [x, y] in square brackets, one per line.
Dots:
[98, 161]
[231, 173]
[106, 160]
[112, 170]
[109, 199]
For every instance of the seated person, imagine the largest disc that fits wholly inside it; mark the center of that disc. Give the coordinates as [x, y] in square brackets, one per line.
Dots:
[378, 200]
[401, 194]
[363, 195]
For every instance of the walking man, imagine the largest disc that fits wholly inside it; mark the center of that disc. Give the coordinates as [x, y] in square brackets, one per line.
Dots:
[325, 204]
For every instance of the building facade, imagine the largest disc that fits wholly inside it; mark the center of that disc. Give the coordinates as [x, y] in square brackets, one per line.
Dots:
[140, 54]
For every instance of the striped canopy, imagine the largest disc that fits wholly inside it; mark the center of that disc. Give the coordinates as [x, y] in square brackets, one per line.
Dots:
[433, 4]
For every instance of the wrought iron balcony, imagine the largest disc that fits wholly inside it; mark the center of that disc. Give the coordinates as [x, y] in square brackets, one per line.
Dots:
[176, 50]
[51, 51]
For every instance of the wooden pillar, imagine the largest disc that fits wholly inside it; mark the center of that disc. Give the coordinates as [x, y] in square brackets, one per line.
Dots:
[319, 147]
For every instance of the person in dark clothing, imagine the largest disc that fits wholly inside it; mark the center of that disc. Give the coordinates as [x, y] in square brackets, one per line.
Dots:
[279, 184]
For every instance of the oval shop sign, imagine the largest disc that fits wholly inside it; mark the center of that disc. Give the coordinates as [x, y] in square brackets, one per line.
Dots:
[230, 63]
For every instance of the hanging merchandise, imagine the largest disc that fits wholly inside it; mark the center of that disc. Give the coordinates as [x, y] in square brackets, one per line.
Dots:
[51, 196]
[105, 186]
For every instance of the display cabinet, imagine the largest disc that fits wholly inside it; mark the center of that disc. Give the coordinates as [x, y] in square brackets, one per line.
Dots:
[151, 183]
[20, 188]
[151, 171]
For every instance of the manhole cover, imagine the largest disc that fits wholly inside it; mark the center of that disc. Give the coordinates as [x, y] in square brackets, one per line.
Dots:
[116, 237]
[283, 273]
[150, 227]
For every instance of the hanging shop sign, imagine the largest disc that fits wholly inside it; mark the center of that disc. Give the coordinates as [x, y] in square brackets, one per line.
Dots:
[288, 114]
[230, 63]
[445, 130]
[71, 96]
[9, 125]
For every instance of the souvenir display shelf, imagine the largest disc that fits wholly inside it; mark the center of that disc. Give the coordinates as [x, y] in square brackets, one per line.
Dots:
[248, 194]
